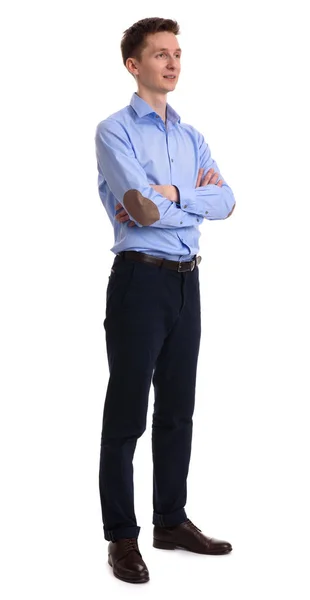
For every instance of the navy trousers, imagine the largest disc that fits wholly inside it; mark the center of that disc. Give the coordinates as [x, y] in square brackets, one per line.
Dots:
[153, 328]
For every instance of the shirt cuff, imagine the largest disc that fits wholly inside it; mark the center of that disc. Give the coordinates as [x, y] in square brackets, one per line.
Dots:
[188, 199]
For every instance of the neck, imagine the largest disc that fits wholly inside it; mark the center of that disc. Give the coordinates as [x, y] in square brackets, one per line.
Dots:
[157, 101]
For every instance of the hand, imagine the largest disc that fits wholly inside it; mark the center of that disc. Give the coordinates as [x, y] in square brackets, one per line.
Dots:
[123, 215]
[210, 177]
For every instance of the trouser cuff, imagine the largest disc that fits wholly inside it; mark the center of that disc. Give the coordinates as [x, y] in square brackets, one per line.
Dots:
[169, 520]
[112, 535]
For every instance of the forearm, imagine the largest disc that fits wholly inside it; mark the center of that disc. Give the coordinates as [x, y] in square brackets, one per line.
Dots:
[207, 201]
[171, 218]
[210, 201]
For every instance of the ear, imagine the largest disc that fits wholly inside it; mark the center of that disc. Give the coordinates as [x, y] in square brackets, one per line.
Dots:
[132, 67]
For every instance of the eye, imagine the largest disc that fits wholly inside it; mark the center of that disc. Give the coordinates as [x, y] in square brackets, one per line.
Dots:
[164, 54]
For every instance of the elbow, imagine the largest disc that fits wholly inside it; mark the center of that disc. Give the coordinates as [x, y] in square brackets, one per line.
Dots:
[231, 211]
[140, 208]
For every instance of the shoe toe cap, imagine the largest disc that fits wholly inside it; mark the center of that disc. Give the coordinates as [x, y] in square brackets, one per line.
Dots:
[221, 545]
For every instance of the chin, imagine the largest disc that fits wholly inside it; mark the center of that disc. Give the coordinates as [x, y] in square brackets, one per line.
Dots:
[170, 84]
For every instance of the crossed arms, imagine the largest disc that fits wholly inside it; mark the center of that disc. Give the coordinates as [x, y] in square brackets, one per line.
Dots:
[144, 204]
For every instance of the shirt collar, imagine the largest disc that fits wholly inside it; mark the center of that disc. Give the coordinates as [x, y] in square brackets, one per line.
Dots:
[142, 109]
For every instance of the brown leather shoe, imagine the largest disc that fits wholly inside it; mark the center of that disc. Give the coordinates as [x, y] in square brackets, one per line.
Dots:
[188, 537]
[125, 558]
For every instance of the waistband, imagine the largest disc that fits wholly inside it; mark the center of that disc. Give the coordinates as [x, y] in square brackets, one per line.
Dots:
[180, 266]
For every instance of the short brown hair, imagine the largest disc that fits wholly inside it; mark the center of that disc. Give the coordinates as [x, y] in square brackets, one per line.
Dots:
[134, 38]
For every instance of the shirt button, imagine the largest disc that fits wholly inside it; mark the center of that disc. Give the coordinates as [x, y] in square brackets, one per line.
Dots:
[185, 205]
[197, 220]
[206, 212]
[181, 222]
[172, 160]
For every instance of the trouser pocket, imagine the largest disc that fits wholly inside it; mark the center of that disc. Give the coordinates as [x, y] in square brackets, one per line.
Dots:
[120, 280]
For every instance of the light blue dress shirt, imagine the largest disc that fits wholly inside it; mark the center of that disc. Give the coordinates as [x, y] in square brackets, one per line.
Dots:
[134, 148]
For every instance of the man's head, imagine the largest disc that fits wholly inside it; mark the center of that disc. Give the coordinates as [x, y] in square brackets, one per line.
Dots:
[150, 52]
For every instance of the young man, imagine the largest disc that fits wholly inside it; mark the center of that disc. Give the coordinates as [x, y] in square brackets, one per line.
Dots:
[157, 182]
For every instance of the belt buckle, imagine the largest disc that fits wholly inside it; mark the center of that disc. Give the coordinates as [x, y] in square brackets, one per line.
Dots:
[191, 266]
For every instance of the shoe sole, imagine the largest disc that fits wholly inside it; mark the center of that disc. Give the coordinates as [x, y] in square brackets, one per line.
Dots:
[128, 580]
[171, 546]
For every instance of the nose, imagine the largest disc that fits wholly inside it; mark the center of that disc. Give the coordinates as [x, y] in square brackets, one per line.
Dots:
[172, 62]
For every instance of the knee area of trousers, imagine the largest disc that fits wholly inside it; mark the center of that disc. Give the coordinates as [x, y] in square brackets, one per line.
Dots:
[171, 422]
[121, 438]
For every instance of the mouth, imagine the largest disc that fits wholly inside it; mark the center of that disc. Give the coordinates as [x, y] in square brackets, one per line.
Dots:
[170, 77]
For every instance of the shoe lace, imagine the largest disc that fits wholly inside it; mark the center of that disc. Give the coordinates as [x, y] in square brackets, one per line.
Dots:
[131, 544]
[191, 525]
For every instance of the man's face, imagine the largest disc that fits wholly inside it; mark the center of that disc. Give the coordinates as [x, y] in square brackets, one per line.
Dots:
[160, 58]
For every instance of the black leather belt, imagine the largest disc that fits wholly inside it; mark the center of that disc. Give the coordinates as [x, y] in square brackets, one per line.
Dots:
[180, 266]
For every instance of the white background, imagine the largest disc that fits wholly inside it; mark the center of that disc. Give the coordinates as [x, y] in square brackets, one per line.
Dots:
[244, 86]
